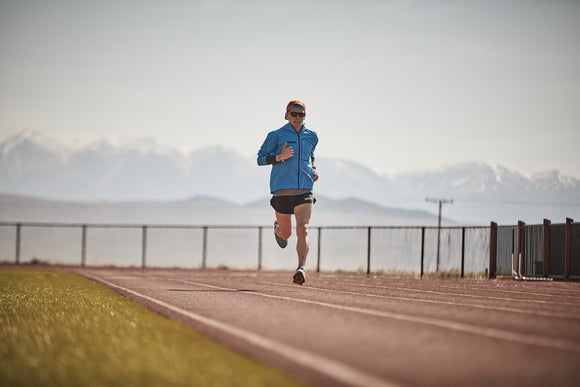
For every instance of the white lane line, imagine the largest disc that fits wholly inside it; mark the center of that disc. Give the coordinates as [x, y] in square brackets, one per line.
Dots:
[466, 295]
[520, 338]
[333, 369]
[480, 297]
[485, 307]
[488, 288]
[501, 309]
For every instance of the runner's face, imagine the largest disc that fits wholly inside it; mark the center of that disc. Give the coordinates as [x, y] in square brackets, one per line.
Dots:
[294, 121]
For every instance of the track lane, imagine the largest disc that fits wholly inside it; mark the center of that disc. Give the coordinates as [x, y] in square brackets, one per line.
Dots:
[333, 372]
[375, 336]
[501, 327]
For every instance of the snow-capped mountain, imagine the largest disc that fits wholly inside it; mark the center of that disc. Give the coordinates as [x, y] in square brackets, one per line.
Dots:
[486, 181]
[40, 165]
[122, 171]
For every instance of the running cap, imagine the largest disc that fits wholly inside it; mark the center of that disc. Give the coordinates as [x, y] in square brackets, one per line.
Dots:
[295, 104]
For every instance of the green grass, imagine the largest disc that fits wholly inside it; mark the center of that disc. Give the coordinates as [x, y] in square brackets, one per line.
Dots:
[60, 329]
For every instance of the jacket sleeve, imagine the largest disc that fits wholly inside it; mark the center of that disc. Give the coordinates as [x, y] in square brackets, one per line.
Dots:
[313, 149]
[267, 152]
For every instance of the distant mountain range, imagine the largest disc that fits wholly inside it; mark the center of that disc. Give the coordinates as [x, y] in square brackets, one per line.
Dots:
[35, 164]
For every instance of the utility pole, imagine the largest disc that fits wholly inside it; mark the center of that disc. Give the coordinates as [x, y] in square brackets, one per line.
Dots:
[440, 202]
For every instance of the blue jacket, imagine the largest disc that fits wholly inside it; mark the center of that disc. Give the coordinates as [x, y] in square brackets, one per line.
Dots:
[295, 172]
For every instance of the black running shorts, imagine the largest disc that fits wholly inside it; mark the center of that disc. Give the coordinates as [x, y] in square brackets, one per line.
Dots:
[286, 204]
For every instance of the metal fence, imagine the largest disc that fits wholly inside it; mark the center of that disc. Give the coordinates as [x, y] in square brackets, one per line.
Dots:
[459, 251]
[540, 250]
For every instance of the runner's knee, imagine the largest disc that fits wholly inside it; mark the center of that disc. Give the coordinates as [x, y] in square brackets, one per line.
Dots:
[302, 230]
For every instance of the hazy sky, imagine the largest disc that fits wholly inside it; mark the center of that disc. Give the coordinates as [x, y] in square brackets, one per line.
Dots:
[395, 85]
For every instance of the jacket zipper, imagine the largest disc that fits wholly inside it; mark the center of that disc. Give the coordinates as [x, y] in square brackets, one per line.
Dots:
[299, 157]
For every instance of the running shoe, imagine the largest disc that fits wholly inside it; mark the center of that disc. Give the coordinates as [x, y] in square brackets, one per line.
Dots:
[299, 276]
[281, 242]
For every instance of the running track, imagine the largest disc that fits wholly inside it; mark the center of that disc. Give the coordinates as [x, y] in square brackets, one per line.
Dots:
[358, 330]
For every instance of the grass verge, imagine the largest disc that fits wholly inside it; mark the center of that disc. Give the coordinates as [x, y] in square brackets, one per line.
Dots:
[60, 329]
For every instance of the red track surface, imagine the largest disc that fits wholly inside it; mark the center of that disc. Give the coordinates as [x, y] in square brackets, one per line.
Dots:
[360, 330]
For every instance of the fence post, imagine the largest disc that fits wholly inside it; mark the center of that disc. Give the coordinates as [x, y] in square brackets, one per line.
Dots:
[18, 241]
[204, 249]
[521, 247]
[144, 248]
[260, 248]
[462, 251]
[84, 245]
[368, 250]
[492, 250]
[422, 250]
[568, 249]
[546, 248]
[318, 259]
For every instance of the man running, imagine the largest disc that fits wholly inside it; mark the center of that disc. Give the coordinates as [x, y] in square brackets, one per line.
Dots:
[290, 151]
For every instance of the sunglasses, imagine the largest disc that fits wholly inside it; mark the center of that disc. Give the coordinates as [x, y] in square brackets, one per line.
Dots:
[297, 114]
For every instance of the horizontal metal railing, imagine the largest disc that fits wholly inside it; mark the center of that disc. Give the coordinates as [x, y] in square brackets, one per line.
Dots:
[363, 248]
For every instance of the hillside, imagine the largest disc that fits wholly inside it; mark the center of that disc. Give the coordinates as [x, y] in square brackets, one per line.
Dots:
[203, 211]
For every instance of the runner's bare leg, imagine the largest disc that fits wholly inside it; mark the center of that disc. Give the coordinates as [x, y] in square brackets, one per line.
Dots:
[284, 225]
[302, 213]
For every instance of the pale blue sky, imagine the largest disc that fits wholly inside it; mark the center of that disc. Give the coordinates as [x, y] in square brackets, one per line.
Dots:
[395, 85]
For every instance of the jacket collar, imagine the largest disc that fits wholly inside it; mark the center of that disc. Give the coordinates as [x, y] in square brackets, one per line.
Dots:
[288, 126]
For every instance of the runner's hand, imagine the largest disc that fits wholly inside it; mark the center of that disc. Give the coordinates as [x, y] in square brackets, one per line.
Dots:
[287, 152]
